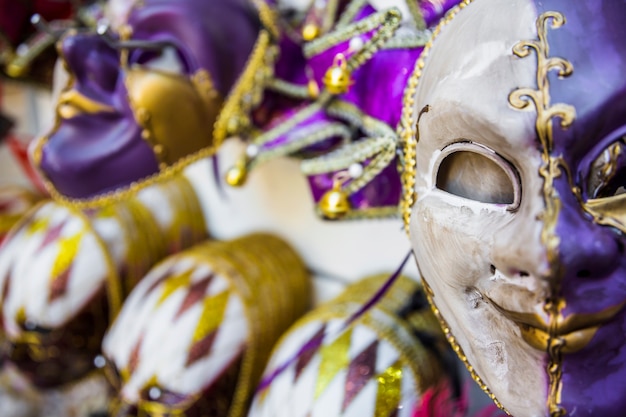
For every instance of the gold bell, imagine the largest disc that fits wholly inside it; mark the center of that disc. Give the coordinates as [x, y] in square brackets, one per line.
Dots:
[335, 203]
[338, 77]
[15, 70]
[313, 89]
[310, 31]
[236, 175]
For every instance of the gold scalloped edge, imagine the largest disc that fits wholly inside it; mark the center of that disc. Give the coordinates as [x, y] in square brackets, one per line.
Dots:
[456, 347]
[406, 129]
[119, 194]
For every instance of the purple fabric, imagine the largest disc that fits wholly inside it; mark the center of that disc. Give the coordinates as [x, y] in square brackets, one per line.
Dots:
[384, 190]
[93, 154]
[433, 10]
[89, 154]
[592, 256]
[377, 92]
[292, 63]
[215, 35]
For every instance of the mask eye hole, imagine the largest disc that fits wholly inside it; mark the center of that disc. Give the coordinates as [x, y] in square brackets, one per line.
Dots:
[477, 173]
[607, 177]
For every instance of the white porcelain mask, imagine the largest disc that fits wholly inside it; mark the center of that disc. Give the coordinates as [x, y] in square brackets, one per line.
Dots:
[518, 225]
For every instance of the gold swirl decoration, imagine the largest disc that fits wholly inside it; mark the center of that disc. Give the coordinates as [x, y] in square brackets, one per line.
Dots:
[550, 169]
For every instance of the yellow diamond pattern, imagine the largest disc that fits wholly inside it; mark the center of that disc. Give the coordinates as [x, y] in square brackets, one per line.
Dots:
[68, 248]
[173, 284]
[389, 390]
[38, 226]
[334, 358]
[212, 315]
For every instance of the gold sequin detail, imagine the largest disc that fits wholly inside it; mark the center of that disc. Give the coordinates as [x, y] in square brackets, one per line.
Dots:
[334, 358]
[389, 390]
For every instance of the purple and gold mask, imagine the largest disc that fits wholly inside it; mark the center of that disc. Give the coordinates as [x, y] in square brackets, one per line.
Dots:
[517, 129]
[141, 104]
[143, 98]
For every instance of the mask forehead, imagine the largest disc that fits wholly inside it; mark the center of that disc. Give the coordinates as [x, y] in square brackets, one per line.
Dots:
[464, 103]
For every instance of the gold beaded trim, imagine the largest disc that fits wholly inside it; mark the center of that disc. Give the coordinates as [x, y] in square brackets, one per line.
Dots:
[120, 194]
[387, 21]
[293, 121]
[268, 17]
[370, 213]
[289, 89]
[310, 135]
[456, 347]
[350, 13]
[248, 92]
[380, 146]
[407, 130]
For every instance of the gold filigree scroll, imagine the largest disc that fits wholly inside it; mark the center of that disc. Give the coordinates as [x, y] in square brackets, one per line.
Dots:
[551, 169]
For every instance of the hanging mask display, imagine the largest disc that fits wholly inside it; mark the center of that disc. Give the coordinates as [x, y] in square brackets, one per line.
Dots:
[143, 96]
[56, 309]
[387, 362]
[515, 147]
[193, 337]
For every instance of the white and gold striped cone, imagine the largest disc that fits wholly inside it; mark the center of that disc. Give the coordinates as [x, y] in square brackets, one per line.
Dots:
[375, 366]
[64, 273]
[195, 334]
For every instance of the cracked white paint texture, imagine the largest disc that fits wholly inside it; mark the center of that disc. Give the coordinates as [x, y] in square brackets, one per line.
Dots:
[471, 251]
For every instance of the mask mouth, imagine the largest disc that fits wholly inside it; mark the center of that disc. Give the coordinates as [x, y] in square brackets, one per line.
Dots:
[575, 331]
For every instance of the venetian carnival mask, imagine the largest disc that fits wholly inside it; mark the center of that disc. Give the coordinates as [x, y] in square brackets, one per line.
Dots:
[139, 107]
[143, 97]
[519, 220]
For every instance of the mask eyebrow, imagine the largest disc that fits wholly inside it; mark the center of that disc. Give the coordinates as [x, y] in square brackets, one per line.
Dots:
[458, 121]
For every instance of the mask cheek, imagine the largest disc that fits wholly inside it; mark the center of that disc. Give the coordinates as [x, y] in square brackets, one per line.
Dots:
[452, 242]
[455, 245]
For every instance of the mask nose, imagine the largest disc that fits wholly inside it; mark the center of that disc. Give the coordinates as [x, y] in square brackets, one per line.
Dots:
[586, 250]
[93, 64]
